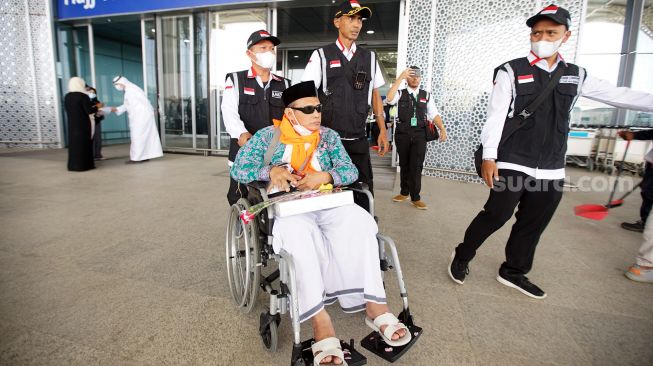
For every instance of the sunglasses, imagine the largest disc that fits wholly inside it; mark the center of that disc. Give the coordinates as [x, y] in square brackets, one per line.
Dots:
[309, 109]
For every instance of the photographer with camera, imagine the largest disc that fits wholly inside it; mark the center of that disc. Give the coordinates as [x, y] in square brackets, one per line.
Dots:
[348, 78]
[416, 112]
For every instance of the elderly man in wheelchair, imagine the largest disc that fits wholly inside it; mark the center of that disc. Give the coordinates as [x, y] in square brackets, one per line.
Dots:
[334, 253]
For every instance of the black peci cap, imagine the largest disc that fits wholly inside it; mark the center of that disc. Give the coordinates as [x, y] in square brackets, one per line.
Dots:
[261, 35]
[298, 91]
[556, 13]
[352, 7]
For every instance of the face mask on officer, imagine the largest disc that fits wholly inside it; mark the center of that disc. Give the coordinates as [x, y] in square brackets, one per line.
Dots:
[544, 49]
[266, 59]
[301, 130]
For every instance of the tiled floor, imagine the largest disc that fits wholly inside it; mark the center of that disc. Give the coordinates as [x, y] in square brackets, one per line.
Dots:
[124, 265]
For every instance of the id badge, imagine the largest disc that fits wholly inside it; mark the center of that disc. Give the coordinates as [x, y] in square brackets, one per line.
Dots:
[413, 121]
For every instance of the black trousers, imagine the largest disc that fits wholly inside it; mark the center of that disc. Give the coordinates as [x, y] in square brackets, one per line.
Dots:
[411, 147]
[537, 201]
[97, 141]
[236, 190]
[359, 152]
[647, 192]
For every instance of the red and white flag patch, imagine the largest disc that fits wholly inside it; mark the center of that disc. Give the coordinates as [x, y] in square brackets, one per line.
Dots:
[552, 9]
[249, 91]
[334, 63]
[354, 4]
[264, 34]
[422, 100]
[228, 87]
[522, 79]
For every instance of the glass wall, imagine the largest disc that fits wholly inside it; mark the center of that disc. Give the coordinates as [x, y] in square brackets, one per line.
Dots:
[229, 33]
[149, 55]
[74, 56]
[201, 58]
[117, 52]
[642, 74]
[176, 86]
[600, 54]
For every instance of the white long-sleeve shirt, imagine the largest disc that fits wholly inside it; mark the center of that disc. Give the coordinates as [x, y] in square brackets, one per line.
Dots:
[313, 70]
[501, 100]
[230, 116]
[431, 109]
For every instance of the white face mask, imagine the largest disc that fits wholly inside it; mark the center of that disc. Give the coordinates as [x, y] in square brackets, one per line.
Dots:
[266, 59]
[544, 49]
[92, 96]
[301, 130]
[119, 87]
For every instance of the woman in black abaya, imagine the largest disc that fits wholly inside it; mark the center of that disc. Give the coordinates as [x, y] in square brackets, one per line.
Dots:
[80, 132]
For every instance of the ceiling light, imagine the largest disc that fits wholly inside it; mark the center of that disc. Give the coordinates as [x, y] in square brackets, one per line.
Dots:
[295, 56]
[370, 32]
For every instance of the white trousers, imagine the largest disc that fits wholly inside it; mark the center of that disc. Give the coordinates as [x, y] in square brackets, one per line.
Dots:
[336, 257]
[645, 255]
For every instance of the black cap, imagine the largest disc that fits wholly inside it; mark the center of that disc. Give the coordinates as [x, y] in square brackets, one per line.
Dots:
[352, 7]
[298, 91]
[261, 35]
[556, 13]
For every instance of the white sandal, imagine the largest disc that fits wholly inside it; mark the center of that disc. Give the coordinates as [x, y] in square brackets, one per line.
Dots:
[393, 325]
[327, 347]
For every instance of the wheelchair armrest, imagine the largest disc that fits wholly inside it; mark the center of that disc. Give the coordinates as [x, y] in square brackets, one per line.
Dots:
[261, 187]
[363, 188]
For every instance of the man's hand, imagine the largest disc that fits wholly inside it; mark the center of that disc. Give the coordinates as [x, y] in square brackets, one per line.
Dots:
[626, 135]
[114, 109]
[99, 105]
[313, 180]
[406, 74]
[243, 138]
[489, 172]
[282, 179]
[382, 141]
[443, 135]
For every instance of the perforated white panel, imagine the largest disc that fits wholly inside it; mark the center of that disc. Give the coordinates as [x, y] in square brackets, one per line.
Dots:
[471, 38]
[28, 116]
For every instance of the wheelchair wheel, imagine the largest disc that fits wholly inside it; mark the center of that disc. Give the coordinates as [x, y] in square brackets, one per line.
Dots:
[269, 331]
[243, 253]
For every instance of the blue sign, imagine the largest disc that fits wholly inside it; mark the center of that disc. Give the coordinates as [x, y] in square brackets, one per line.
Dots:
[70, 9]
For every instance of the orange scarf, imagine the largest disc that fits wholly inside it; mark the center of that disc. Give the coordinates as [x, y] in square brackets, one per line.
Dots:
[300, 153]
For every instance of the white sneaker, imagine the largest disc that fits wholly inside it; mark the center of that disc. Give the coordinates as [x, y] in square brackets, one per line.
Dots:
[639, 274]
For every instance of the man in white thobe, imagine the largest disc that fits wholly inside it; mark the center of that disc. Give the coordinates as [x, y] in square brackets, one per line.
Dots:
[145, 142]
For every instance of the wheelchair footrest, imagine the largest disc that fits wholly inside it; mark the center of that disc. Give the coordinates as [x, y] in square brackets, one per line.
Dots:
[352, 356]
[375, 344]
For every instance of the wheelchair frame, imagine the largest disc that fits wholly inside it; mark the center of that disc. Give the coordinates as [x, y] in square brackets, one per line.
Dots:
[244, 275]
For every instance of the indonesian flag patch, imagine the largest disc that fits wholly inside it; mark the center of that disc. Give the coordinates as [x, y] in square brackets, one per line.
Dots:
[422, 100]
[522, 79]
[249, 91]
[354, 4]
[334, 63]
[551, 9]
[264, 34]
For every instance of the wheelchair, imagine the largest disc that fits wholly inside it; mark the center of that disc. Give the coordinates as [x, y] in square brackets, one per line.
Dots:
[249, 249]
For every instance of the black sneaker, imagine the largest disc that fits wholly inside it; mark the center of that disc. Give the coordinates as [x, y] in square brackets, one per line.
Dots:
[637, 226]
[458, 269]
[523, 285]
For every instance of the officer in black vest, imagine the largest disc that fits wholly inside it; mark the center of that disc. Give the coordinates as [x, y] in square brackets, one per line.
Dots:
[252, 99]
[528, 171]
[416, 110]
[348, 78]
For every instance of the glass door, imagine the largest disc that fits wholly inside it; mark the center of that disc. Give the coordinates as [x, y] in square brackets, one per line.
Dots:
[228, 40]
[176, 81]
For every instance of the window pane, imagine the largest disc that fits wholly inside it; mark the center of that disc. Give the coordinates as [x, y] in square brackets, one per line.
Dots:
[642, 81]
[645, 37]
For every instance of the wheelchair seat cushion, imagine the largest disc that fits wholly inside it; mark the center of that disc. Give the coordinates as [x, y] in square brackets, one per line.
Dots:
[325, 348]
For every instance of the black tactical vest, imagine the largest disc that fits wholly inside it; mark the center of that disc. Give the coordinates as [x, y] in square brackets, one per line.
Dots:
[257, 107]
[407, 106]
[345, 108]
[542, 141]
